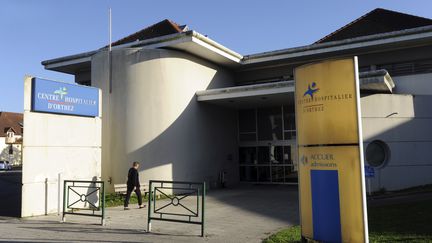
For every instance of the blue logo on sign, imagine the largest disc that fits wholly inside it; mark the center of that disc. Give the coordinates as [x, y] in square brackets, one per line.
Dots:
[63, 98]
[312, 88]
[304, 160]
[62, 92]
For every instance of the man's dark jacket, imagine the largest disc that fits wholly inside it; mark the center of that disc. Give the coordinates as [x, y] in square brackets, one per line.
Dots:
[133, 178]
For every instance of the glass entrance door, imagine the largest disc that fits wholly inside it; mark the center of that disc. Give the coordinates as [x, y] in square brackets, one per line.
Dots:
[268, 164]
[267, 145]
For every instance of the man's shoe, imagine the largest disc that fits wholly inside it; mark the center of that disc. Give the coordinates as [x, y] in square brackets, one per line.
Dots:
[126, 208]
[141, 206]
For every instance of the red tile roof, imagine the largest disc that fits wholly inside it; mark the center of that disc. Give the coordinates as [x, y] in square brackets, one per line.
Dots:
[10, 120]
[376, 22]
[165, 27]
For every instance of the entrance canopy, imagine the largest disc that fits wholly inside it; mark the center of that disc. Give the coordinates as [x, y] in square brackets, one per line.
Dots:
[248, 96]
[282, 92]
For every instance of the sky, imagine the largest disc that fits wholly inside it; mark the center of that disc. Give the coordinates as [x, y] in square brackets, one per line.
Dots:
[33, 31]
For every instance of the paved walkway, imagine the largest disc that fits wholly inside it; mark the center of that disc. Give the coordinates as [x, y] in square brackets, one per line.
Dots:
[245, 214]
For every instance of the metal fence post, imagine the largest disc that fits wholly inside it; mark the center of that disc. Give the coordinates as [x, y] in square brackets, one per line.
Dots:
[103, 204]
[202, 210]
[46, 196]
[59, 193]
[149, 207]
[64, 202]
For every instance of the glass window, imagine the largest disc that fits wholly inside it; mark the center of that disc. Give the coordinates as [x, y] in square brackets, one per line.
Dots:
[287, 155]
[245, 137]
[276, 154]
[247, 121]
[289, 117]
[277, 173]
[424, 66]
[263, 155]
[260, 159]
[365, 68]
[269, 124]
[248, 173]
[247, 155]
[264, 174]
[290, 174]
[377, 153]
[291, 135]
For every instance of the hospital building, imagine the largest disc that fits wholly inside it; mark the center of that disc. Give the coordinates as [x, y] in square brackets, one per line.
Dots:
[189, 108]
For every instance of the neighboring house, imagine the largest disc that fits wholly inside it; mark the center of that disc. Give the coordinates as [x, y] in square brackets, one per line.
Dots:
[11, 131]
[191, 109]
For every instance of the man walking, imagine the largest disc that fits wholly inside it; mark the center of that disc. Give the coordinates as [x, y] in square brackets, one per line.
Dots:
[133, 184]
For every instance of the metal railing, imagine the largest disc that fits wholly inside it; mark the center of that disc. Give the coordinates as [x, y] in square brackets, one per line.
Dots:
[80, 197]
[183, 202]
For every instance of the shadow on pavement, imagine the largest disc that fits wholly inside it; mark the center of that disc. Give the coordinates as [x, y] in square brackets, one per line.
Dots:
[80, 229]
[64, 240]
[171, 234]
[279, 202]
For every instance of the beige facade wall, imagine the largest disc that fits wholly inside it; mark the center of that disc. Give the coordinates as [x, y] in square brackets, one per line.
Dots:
[152, 116]
[418, 84]
[403, 123]
[54, 144]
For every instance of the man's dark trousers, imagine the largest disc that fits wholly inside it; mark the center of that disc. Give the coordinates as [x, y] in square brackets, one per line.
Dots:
[128, 194]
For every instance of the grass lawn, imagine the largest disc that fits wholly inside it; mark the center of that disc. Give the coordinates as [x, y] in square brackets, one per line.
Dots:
[408, 222]
[291, 234]
[113, 200]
